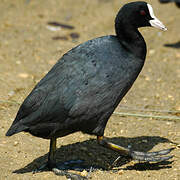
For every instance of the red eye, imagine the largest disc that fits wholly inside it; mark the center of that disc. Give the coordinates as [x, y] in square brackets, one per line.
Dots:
[142, 12]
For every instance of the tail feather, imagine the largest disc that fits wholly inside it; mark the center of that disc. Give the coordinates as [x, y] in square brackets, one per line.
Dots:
[16, 128]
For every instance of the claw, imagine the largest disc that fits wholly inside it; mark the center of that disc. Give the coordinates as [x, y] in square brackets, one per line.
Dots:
[151, 156]
[162, 152]
[159, 159]
[69, 175]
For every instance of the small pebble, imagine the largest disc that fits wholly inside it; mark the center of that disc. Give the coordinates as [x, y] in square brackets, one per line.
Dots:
[51, 28]
[171, 97]
[84, 173]
[178, 55]
[147, 78]
[145, 99]
[168, 123]
[157, 96]
[120, 172]
[74, 35]
[23, 75]
[177, 108]
[60, 38]
[11, 93]
[18, 62]
[151, 51]
[159, 80]
[16, 143]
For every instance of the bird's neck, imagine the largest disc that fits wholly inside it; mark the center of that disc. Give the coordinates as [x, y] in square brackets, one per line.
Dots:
[131, 39]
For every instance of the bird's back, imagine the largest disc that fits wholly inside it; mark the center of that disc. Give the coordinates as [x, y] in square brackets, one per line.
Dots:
[80, 92]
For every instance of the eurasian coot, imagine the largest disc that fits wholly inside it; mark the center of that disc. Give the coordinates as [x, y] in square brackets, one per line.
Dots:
[85, 86]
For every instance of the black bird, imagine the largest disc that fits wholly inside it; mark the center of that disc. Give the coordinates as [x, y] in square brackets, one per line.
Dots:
[84, 87]
[177, 2]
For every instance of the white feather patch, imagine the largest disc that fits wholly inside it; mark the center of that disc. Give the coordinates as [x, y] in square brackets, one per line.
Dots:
[151, 12]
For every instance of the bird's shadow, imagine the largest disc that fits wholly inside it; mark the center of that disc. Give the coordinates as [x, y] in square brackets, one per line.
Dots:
[173, 45]
[96, 156]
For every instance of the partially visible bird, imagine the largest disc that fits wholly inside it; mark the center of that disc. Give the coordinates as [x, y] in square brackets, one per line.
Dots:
[85, 86]
[177, 2]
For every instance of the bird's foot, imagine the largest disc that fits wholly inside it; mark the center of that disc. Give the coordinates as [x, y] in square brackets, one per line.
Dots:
[156, 156]
[136, 155]
[61, 169]
[70, 175]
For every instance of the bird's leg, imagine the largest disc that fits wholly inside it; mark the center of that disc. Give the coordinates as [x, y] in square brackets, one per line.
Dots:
[135, 155]
[123, 151]
[52, 149]
[51, 163]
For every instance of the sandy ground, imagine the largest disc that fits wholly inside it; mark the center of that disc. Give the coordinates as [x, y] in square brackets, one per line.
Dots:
[28, 50]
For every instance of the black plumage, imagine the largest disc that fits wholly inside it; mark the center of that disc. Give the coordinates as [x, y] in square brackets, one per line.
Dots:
[80, 92]
[85, 86]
